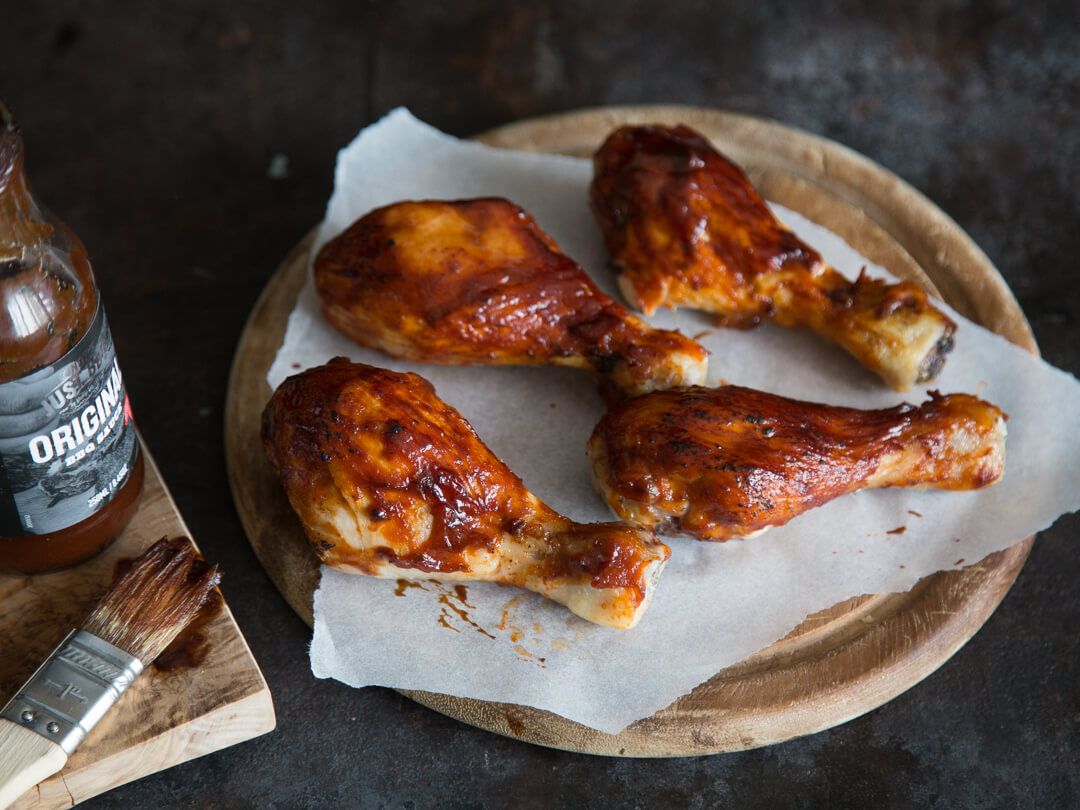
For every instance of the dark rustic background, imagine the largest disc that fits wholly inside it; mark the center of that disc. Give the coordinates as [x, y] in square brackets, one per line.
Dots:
[151, 129]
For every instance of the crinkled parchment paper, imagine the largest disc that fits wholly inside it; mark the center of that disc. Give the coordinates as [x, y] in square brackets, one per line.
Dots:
[715, 603]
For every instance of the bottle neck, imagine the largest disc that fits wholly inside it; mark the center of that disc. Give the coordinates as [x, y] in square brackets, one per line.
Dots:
[10, 146]
[21, 220]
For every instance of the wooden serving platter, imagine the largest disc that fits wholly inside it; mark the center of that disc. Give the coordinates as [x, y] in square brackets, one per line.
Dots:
[165, 718]
[839, 663]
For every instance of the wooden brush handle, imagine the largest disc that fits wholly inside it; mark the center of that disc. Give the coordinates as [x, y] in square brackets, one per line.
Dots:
[26, 758]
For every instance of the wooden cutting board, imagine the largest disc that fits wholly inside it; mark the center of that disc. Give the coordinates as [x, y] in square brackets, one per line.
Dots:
[164, 718]
[839, 663]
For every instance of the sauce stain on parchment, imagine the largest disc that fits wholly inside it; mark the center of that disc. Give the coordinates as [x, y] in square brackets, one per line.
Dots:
[454, 612]
[445, 623]
[577, 628]
[454, 607]
[454, 604]
[510, 605]
[404, 585]
[517, 634]
[449, 609]
[461, 593]
[913, 512]
[529, 655]
[897, 530]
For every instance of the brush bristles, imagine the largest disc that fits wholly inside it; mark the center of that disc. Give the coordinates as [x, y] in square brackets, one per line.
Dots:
[154, 600]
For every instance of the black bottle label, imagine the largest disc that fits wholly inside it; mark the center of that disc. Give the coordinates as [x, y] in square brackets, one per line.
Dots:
[67, 438]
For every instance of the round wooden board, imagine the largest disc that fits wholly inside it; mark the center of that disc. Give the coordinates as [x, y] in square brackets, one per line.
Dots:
[839, 663]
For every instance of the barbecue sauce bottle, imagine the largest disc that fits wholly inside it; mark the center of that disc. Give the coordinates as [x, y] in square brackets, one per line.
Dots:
[70, 465]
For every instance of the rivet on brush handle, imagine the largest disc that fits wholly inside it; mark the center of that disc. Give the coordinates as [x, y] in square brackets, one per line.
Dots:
[54, 711]
[26, 758]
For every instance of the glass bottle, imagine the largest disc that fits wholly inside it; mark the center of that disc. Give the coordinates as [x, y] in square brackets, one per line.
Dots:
[70, 465]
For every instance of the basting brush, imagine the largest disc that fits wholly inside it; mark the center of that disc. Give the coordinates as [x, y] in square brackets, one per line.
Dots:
[139, 617]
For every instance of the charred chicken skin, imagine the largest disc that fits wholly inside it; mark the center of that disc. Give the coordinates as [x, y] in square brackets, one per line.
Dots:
[478, 281]
[389, 480]
[685, 228]
[721, 463]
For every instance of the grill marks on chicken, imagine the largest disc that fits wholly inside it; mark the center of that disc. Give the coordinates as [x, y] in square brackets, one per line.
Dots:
[685, 228]
[389, 480]
[720, 463]
[478, 281]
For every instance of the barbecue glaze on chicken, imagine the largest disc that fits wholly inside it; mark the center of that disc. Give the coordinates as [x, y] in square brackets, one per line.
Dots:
[478, 281]
[720, 463]
[389, 480]
[685, 228]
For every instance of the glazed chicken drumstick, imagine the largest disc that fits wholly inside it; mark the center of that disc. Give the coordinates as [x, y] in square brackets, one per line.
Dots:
[389, 480]
[478, 281]
[685, 228]
[720, 463]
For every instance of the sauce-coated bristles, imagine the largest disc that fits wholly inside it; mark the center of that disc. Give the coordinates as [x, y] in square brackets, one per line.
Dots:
[154, 599]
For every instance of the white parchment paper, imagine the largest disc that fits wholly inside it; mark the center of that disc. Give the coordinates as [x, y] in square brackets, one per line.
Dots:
[715, 603]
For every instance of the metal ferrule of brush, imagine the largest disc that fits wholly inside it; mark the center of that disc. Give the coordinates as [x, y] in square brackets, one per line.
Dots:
[73, 689]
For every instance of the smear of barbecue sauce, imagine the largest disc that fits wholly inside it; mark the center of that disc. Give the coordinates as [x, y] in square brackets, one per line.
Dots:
[405, 584]
[451, 610]
[453, 601]
[454, 607]
[897, 530]
[191, 646]
[517, 634]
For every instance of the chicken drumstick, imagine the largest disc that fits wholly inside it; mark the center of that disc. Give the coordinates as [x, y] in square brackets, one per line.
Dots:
[478, 281]
[389, 480]
[686, 229]
[727, 462]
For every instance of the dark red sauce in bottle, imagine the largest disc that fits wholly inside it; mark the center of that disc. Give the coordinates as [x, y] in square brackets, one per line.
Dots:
[70, 465]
